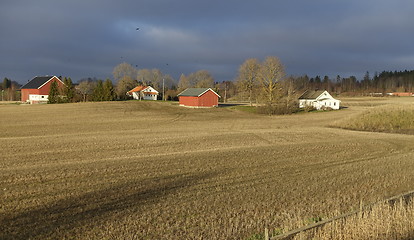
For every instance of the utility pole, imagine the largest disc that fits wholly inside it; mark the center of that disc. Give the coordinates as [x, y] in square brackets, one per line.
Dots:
[225, 92]
[163, 89]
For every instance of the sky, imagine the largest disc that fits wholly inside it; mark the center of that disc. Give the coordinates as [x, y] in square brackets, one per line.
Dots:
[88, 38]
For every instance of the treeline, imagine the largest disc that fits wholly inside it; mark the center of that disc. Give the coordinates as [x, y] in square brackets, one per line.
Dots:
[92, 89]
[10, 90]
[256, 82]
[385, 82]
[247, 88]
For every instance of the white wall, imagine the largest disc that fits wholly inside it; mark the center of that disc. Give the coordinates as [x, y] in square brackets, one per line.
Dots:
[150, 97]
[331, 103]
[33, 97]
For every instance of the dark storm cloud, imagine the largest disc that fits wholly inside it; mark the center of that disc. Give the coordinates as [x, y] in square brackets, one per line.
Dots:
[88, 38]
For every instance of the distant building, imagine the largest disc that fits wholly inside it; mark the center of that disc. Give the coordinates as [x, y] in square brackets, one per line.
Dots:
[143, 93]
[401, 94]
[37, 89]
[318, 99]
[198, 98]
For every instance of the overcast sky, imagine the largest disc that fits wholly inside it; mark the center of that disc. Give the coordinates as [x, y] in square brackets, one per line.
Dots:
[88, 38]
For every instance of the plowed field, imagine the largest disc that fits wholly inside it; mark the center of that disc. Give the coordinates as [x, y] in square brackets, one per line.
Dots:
[153, 170]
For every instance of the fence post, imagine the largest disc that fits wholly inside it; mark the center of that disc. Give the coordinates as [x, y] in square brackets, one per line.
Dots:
[266, 234]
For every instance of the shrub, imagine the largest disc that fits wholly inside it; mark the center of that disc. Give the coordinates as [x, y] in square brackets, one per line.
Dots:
[324, 108]
[277, 109]
[309, 108]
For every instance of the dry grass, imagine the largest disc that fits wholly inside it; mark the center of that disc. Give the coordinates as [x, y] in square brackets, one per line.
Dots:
[391, 118]
[152, 170]
[381, 221]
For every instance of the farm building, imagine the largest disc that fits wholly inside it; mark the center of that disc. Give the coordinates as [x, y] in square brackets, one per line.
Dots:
[401, 94]
[198, 98]
[37, 89]
[318, 99]
[143, 92]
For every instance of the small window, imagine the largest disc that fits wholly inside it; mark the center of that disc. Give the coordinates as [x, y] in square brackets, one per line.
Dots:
[43, 96]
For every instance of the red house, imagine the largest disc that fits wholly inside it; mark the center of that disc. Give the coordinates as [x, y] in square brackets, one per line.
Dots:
[37, 89]
[198, 98]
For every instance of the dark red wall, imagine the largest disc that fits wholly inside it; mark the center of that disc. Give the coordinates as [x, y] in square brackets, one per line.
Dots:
[46, 88]
[208, 99]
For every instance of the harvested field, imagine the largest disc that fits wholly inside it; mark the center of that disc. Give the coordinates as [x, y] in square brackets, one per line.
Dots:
[153, 170]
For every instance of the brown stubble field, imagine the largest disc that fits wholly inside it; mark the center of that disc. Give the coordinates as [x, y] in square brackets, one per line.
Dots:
[153, 170]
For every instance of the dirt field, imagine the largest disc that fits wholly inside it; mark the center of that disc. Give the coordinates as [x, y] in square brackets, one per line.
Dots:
[153, 170]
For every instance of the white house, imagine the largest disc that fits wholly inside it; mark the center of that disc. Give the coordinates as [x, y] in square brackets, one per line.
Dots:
[143, 92]
[318, 99]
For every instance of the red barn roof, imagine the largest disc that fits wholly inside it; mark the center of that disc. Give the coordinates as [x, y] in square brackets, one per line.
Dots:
[38, 82]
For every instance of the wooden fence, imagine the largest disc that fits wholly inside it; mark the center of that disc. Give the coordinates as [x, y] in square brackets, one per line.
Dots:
[288, 235]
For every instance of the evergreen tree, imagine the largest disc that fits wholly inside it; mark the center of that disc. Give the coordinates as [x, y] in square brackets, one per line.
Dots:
[6, 83]
[98, 92]
[68, 90]
[326, 83]
[53, 93]
[366, 82]
[108, 90]
[318, 82]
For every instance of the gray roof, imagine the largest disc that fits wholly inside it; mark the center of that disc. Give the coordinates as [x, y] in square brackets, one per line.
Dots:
[36, 82]
[311, 94]
[195, 92]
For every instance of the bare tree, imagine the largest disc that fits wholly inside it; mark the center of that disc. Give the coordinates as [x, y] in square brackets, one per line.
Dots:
[86, 88]
[183, 83]
[144, 76]
[291, 96]
[151, 77]
[201, 79]
[124, 70]
[248, 76]
[270, 75]
[124, 85]
[156, 78]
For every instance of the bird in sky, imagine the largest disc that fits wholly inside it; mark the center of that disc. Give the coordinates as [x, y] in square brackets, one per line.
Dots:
[137, 29]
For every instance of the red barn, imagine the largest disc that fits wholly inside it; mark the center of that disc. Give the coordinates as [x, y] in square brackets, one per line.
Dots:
[198, 98]
[37, 89]
[402, 94]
